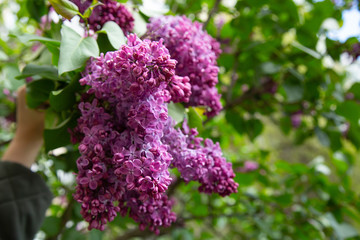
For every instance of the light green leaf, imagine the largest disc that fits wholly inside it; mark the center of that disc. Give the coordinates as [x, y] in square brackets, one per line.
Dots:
[139, 24]
[65, 8]
[44, 71]
[25, 38]
[3, 56]
[75, 50]
[270, 67]
[195, 120]
[322, 136]
[90, 9]
[176, 111]
[114, 33]
[9, 73]
[154, 8]
[294, 91]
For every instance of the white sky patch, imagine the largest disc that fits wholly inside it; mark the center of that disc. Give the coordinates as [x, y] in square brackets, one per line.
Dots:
[350, 28]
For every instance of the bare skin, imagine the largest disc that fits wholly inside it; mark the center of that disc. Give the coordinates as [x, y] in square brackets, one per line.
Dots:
[28, 138]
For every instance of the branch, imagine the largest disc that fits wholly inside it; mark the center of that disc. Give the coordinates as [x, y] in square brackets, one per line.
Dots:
[211, 13]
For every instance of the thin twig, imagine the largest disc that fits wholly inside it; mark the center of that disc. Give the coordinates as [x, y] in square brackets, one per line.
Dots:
[212, 12]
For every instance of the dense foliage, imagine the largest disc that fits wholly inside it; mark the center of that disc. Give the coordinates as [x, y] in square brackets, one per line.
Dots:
[261, 79]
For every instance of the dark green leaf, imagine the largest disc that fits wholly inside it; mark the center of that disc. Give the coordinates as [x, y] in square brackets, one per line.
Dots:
[51, 225]
[58, 136]
[36, 8]
[38, 92]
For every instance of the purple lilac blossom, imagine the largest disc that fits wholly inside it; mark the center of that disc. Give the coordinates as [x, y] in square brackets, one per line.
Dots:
[128, 141]
[111, 10]
[121, 130]
[199, 160]
[249, 166]
[296, 119]
[196, 53]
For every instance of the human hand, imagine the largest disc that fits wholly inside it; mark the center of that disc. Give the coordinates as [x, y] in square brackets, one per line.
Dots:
[28, 138]
[30, 122]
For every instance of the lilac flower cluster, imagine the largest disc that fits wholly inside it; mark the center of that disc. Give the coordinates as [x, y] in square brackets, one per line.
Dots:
[110, 10]
[121, 128]
[199, 160]
[128, 141]
[196, 53]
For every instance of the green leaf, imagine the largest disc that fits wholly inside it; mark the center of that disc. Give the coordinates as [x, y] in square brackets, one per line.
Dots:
[90, 9]
[58, 136]
[104, 43]
[270, 68]
[65, 8]
[254, 127]
[285, 124]
[342, 230]
[350, 110]
[139, 24]
[322, 136]
[294, 91]
[355, 89]
[3, 56]
[154, 8]
[44, 71]
[73, 234]
[176, 111]
[75, 50]
[36, 9]
[195, 120]
[114, 33]
[236, 121]
[9, 72]
[38, 92]
[96, 235]
[64, 99]
[25, 38]
[51, 225]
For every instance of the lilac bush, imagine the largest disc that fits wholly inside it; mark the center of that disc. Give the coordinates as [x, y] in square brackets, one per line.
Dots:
[196, 53]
